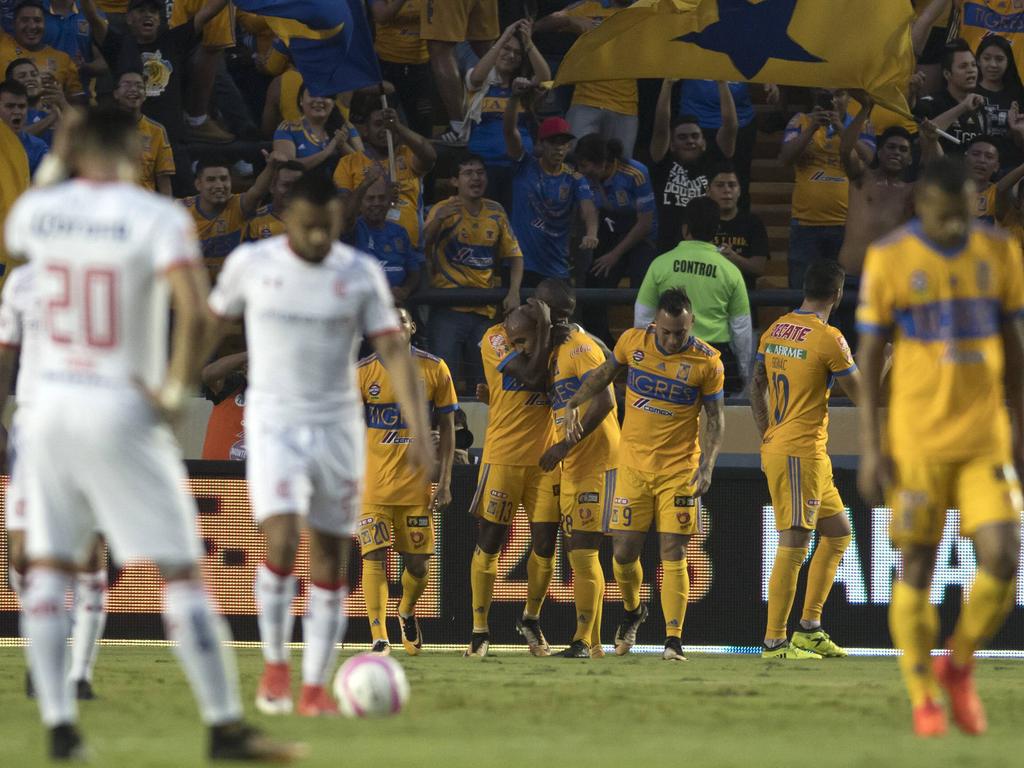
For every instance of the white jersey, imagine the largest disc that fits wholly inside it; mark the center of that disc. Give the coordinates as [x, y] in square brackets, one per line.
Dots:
[19, 328]
[100, 253]
[303, 323]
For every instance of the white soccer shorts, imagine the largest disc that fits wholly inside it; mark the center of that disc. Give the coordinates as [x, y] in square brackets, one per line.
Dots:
[14, 507]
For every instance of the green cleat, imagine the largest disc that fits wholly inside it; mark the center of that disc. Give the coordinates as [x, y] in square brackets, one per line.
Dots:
[787, 651]
[817, 641]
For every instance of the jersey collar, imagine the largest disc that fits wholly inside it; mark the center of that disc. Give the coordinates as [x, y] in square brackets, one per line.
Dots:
[949, 253]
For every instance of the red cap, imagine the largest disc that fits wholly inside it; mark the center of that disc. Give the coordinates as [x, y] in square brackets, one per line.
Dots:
[554, 126]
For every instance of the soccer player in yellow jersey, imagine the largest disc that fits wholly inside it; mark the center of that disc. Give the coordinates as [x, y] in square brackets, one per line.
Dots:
[799, 359]
[661, 474]
[949, 293]
[397, 500]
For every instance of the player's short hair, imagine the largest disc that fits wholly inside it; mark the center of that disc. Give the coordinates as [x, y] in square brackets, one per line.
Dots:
[894, 131]
[823, 279]
[9, 72]
[211, 161]
[23, 4]
[674, 302]
[951, 50]
[702, 217]
[723, 167]
[13, 87]
[107, 130]
[683, 120]
[313, 188]
[947, 173]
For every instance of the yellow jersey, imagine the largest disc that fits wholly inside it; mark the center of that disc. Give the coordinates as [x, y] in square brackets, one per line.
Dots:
[409, 214]
[985, 207]
[469, 247]
[399, 40]
[157, 159]
[614, 95]
[802, 356]
[944, 309]
[47, 59]
[519, 427]
[219, 235]
[390, 479]
[571, 363]
[264, 224]
[664, 394]
[980, 18]
[14, 179]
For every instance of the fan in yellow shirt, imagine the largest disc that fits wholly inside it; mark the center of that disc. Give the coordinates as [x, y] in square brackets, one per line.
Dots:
[14, 180]
[266, 223]
[949, 294]
[397, 501]
[26, 42]
[799, 359]
[672, 376]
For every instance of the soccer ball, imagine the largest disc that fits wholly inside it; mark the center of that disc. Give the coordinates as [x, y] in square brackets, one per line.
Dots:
[368, 685]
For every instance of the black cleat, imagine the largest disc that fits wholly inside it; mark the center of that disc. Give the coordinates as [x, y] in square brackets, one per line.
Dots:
[578, 650]
[66, 743]
[673, 650]
[534, 636]
[238, 741]
[84, 691]
[412, 638]
[478, 645]
[625, 633]
[30, 688]
[381, 648]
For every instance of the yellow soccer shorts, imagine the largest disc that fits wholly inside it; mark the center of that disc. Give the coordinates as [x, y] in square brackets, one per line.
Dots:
[219, 32]
[501, 488]
[452, 21]
[411, 525]
[986, 491]
[663, 498]
[586, 502]
[802, 490]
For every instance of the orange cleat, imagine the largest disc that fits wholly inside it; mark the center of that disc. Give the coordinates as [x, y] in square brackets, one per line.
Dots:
[314, 701]
[274, 696]
[968, 711]
[929, 720]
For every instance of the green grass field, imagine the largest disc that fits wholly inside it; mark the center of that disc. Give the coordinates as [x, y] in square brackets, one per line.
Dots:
[514, 710]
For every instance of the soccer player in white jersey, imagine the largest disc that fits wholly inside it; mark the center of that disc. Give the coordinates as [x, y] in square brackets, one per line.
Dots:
[19, 324]
[307, 300]
[110, 258]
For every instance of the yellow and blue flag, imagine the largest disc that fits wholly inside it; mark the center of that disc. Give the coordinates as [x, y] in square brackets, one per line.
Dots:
[819, 43]
[329, 41]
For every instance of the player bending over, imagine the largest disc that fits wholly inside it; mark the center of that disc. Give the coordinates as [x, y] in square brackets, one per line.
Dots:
[949, 293]
[398, 496]
[306, 300]
[98, 453]
[800, 357]
[660, 476]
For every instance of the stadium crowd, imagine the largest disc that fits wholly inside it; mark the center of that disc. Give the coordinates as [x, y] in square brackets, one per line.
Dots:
[463, 170]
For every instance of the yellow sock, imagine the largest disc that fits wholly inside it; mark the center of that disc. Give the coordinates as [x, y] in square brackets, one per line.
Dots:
[538, 579]
[990, 601]
[595, 633]
[914, 625]
[375, 589]
[587, 585]
[675, 591]
[822, 574]
[781, 589]
[629, 577]
[482, 572]
[412, 589]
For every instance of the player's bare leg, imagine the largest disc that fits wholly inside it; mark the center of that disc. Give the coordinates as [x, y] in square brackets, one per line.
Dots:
[275, 590]
[414, 582]
[588, 592]
[90, 618]
[834, 536]
[539, 568]
[324, 623]
[991, 599]
[375, 590]
[914, 626]
[482, 572]
[629, 575]
[789, 557]
[675, 591]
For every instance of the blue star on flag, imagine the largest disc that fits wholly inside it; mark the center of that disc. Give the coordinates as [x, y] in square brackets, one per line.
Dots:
[751, 34]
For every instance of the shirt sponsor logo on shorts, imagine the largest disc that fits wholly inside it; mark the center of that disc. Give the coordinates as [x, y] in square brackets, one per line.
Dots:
[589, 498]
[366, 521]
[499, 494]
[622, 501]
[814, 502]
[684, 501]
[417, 522]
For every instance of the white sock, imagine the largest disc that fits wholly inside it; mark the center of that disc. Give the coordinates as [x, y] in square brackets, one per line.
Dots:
[195, 120]
[190, 620]
[47, 624]
[274, 595]
[90, 619]
[17, 582]
[323, 627]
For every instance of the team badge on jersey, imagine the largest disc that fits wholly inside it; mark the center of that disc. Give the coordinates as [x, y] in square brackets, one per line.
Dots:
[498, 343]
[638, 356]
[374, 390]
[684, 371]
[919, 282]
